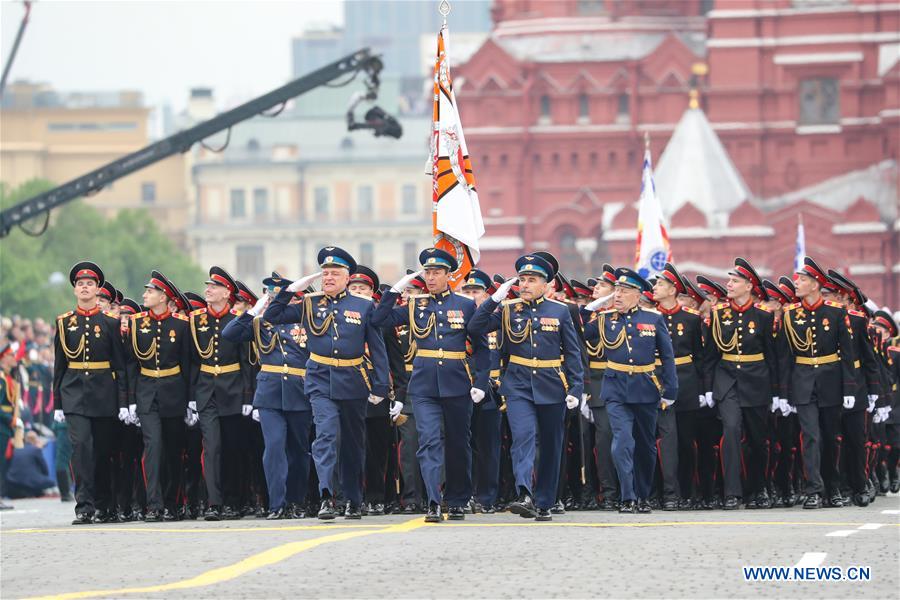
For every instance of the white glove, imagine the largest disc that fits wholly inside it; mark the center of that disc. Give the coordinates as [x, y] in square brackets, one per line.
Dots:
[20, 424]
[786, 408]
[571, 401]
[246, 409]
[776, 403]
[876, 418]
[132, 414]
[59, 416]
[137, 421]
[303, 282]
[188, 417]
[123, 414]
[395, 409]
[477, 395]
[192, 405]
[709, 400]
[664, 403]
[885, 413]
[586, 411]
[260, 306]
[405, 281]
[849, 401]
[375, 400]
[873, 398]
[255, 415]
[503, 290]
[702, 400]
[598, 303]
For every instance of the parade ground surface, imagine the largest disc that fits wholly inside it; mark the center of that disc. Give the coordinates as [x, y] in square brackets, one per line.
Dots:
[580, 554]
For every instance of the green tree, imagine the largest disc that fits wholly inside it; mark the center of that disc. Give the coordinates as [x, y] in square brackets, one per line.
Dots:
[34, 271]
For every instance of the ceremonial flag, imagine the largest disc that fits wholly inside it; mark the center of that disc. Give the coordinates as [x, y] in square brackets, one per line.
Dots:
[456, 219]
[800, 248]
[652, 238]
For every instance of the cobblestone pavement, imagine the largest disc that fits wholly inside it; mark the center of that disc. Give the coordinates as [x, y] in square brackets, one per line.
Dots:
[581, 554]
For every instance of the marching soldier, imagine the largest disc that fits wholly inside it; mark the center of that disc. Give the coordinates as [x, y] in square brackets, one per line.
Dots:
[339, 329]
[865, 368]
[741, 358]
[284, 412]
[90, 382]
[632, 338]
[443, 385]
[222, 384]
[544, 377]
[680, 431]
[486, 419]
[816, 370]
[160, 346]
[882, 445]
[9, 411]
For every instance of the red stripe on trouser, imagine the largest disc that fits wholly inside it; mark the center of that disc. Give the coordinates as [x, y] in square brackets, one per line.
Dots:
[144, 470]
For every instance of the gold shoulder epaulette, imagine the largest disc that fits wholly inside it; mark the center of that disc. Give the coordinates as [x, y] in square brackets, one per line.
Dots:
[67, 314]
[199, 311]
[236, 312]
[834, 304]
[606, 311]
[180, 316]
[792, 306]
[721, 305]
[417, 296]
[692, 311]
[314, 294]
[856, 313]
[762, 306]
[509, 301]
[110, 314]
[139, 315]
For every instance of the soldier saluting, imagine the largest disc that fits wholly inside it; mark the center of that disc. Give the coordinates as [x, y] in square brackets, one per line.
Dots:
[89, 380]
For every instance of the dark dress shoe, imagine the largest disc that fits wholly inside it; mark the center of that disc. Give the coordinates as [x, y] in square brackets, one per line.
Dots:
[352, 512]
[376, 509]
[169, 515]
[608, 505]
[861, 499]
[212, 514]
[488, 509]
[686, 504]
[731, 503]
[669, 505]
[456, 513]
[326, 511]
[751, 504]
[645, 507]
[83, 519]
[434, 513]
[64, 498]
[560, 509]
[125, 516]
[836, 501]
[277, 514]
[628, 506]
[763, 501]
[523, 506]
[104, 516]
[543, 515]
[152, 516]
[813, 501]
[410, 509]
[231, 514]
[707, 504]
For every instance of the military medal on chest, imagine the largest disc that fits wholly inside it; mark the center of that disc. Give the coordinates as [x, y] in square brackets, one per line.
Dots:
[172, 336]
[825, 324]
[96, 331]
[680, 329]
[751, 326]
[73, 323]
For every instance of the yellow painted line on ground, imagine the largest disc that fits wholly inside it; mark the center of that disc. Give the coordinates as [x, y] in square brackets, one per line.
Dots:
[249, 564]
[656, 524]
[145, 529]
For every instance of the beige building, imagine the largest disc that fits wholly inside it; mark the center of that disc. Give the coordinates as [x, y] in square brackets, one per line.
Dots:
[50, 135]
[286, 187]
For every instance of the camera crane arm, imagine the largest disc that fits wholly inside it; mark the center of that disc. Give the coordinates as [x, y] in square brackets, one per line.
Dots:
[353, 64]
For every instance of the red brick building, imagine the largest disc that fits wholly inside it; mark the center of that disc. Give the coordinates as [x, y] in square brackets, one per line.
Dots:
[799, 113]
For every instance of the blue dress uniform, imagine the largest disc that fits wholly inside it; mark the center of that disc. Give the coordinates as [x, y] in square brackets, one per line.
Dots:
[441, 380]
[285, 414]
[339, 328]
[544, 367]
[631, 390]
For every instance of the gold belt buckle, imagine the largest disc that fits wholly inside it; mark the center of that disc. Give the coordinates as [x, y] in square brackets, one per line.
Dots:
[217, 370]
[284, 369]
[631, 369]
[440, 353]
[534, 362]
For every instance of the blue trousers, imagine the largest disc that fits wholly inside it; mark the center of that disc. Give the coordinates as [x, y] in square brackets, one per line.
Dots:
[487, 455]
[528, 423]
[450, 452]
[286, 454]
[340, 423]
[633, 446]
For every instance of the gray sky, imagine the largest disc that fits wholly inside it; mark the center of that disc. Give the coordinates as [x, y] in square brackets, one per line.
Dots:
[162, 47]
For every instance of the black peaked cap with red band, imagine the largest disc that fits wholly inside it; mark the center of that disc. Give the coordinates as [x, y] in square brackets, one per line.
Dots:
[86, 270]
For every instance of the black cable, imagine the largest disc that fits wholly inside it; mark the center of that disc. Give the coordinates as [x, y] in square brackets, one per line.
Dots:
[43, 227]
[225, 145]
[343, 83]
[276, 113]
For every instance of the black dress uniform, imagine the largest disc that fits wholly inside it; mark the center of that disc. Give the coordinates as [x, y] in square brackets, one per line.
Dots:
[161, 347]
[89, 381]
[816, 374]
[741, 357]
[222, 382]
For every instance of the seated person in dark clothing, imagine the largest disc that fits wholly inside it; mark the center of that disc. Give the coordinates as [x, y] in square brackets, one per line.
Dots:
[28, 475]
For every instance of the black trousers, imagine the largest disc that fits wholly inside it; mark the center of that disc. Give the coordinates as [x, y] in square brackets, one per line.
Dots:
[818, 443]
[413, 489]
[194, 488]
[92, 447]
[164, 440]
[211, 459]
[128, 464]
[698, 434]
[606, 469]
[232, 465]
[378, 446]
[253, 477]
[787, 450]
[667, 453]
[751, 423]
[853, 449]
